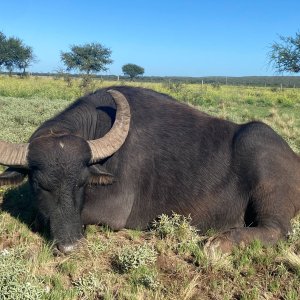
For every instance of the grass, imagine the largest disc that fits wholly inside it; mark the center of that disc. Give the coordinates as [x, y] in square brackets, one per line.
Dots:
[167, 262]
[133, 257]
[46, 96]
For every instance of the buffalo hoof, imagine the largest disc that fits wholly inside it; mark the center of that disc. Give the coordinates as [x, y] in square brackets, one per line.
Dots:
[219, 244]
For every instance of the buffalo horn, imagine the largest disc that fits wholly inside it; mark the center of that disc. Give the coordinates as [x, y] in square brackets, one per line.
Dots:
[13, 155]
[114, 139]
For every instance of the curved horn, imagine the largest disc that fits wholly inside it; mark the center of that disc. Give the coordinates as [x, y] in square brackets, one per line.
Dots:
[114, 139]
[13, 155]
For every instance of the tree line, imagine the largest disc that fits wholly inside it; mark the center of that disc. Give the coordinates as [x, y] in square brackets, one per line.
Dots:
[284, 56]
[87, 59]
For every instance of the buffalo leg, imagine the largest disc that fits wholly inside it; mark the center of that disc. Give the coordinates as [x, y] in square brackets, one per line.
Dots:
[227, 240]
[272, 210]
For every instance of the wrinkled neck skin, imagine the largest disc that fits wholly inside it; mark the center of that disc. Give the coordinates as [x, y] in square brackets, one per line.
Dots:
[85, 118]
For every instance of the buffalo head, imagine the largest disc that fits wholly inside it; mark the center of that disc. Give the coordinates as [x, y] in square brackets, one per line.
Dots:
[59, 166]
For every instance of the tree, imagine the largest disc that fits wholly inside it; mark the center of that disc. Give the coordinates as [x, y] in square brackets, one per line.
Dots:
[285, 55]
[15, 54]
[88, 58]
[13, 49]
[132, 70]
[25, 58]
[2, 48]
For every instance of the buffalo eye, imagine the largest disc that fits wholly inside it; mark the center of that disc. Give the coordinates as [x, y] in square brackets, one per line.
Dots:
[99, 175]
[12, 176]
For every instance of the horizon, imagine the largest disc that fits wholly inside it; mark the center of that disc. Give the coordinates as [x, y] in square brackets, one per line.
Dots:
[33, 73]
[169, 39]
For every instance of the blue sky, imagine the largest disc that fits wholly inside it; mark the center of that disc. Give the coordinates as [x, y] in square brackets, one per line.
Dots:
[179, 38]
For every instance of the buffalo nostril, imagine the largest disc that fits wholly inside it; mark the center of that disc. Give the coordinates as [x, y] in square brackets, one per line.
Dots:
[66, 249]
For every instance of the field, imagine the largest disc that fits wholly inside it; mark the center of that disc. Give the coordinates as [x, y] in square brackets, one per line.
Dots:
[167, 262]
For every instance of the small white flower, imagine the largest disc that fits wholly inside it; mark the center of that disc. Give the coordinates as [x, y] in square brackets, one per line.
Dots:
[4, 252]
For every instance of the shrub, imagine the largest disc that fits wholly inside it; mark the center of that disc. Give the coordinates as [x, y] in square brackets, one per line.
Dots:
[88, 286]
[146, 277]
[175, 226]
[133, 256]
[15, 281]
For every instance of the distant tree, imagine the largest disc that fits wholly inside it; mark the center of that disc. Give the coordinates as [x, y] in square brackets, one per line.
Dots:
[132, 70]
[25, 58]
[2, 48]
[88, 58]
[15, 54]
[13, 49]
[285, 54]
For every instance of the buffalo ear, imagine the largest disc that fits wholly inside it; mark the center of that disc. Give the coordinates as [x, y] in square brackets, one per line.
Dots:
[99, 175]
[12, 176]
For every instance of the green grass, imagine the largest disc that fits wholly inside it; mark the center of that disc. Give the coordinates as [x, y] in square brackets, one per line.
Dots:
[167, 262]
[36, 99]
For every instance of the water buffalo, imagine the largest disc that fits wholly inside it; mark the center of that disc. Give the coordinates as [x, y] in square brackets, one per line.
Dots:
[122, 156]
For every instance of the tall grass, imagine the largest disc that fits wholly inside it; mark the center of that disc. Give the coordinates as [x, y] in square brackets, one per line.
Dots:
[45, 96]
[197, 94]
